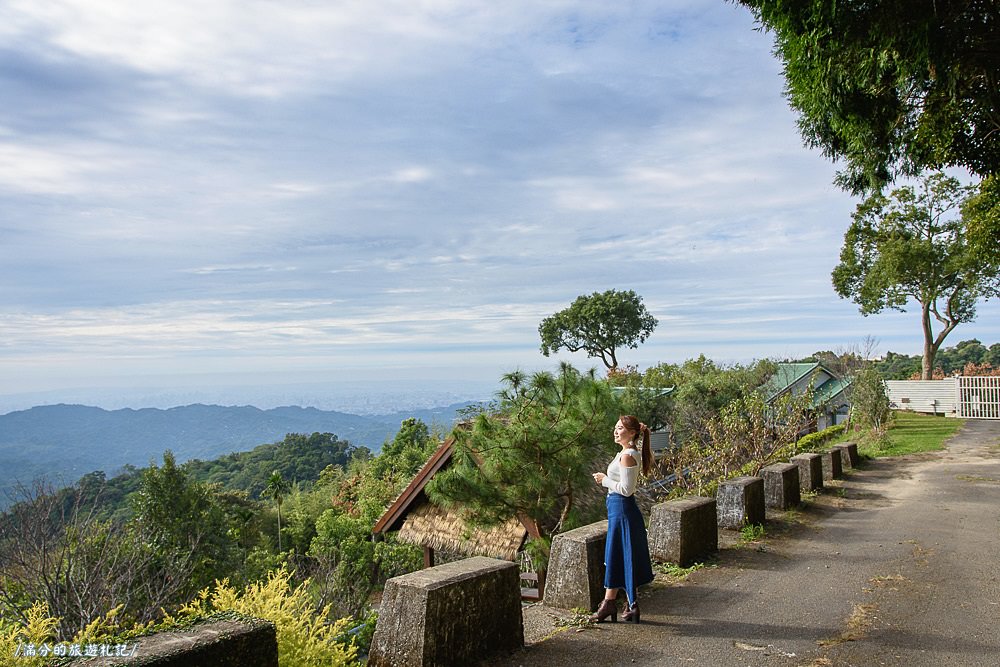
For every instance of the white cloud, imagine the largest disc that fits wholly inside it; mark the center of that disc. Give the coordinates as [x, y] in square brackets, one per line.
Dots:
[214, 187]
[412, 175]
[54, 170]
[269, 48]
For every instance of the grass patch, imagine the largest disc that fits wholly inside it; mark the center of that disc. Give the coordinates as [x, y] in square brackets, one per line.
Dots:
[676, 572]
[977, 478]
[913, 433]
[858, 625]
[579, 619]
[752, 532]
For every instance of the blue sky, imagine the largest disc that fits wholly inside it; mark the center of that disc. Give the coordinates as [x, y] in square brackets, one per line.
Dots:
[251, 194]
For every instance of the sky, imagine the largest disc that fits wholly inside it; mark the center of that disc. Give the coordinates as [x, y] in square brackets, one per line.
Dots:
[228, 200]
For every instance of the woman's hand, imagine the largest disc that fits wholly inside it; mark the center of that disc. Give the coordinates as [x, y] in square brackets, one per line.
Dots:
[599, 478]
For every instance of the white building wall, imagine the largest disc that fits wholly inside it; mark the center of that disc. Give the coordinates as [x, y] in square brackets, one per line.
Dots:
[930, 396]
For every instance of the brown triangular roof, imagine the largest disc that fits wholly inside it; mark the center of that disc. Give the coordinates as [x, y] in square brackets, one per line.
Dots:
[414, 493]
[420, 522]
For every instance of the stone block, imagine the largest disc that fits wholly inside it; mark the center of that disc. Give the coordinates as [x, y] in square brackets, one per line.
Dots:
[781, 486]
[848, 454]
[221, 644]
[453, 614]
[740, 501]
[832, 467]
[575, 575]
[810, 471]
[683, 531]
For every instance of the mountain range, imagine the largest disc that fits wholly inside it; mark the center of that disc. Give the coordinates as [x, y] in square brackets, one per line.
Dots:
[64, 442]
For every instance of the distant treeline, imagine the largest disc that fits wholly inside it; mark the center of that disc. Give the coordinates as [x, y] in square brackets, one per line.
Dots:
[968, 355]
[61, 443]
[298, 458]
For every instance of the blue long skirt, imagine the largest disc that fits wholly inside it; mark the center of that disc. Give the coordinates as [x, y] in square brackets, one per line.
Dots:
[626, 551]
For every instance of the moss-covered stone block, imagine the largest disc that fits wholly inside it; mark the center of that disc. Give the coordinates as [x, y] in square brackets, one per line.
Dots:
[453, 614]
[229, 643]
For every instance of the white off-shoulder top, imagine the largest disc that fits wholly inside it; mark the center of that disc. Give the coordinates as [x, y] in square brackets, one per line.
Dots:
[622, 479]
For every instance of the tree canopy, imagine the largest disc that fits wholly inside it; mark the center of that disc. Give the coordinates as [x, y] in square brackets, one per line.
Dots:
[895, 87]
[598, 324]
[911, 246]
[531, 455]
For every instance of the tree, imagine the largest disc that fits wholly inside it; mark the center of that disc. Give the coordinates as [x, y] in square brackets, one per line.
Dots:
[184, 518]
[532, 455]
[598, 324]
[406, 453]
[982, 210]
[277, 488]
[702, 389]
[894, 87]
[54, 551]
[349, 564]
[870, 407]
[905, 248]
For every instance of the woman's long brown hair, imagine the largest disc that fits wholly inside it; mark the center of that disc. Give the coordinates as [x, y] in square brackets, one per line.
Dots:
[633, 424]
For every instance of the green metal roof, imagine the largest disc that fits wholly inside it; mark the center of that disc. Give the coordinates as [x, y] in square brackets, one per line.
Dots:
[786, 376]
[828, 390]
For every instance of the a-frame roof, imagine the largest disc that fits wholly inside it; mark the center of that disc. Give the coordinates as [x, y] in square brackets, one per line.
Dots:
[419, 522]
[414, 494]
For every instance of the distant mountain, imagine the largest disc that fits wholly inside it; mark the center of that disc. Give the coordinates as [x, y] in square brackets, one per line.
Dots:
[65, 442]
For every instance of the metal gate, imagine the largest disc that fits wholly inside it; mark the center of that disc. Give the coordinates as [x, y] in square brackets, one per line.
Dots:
[979, 397]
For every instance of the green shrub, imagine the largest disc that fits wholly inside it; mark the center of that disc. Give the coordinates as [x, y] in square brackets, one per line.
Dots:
[814, 441]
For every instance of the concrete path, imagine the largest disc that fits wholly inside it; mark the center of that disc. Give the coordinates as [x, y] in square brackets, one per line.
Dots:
[897, 564]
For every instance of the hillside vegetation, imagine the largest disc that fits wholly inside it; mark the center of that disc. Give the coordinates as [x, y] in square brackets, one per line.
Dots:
[291, 521]
[62, 443]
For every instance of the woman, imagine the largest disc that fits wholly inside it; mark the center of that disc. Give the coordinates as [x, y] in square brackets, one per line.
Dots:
[626, 552]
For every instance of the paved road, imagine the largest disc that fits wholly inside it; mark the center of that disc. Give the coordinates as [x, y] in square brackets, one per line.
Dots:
[899, 565]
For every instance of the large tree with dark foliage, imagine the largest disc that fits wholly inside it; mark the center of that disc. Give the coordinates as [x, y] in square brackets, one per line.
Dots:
[894, 87]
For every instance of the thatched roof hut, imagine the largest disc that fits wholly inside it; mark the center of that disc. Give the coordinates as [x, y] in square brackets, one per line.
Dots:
[440, 529]
[421, 522]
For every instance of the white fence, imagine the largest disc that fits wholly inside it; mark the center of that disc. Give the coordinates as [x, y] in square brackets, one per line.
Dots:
[979, 397]
[972, 397]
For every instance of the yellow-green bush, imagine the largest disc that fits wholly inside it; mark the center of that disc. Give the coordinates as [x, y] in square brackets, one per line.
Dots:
[305, 639]
[38, 629]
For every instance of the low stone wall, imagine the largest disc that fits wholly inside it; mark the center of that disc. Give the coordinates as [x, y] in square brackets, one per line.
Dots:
[575, 575]
[453, 614]
[251, 643]
[740, 502]
[781, 486]
[810, 471]
[683, 531]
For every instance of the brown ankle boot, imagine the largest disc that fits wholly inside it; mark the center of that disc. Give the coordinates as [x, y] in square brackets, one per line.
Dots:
[607, 608]
[631, 613]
